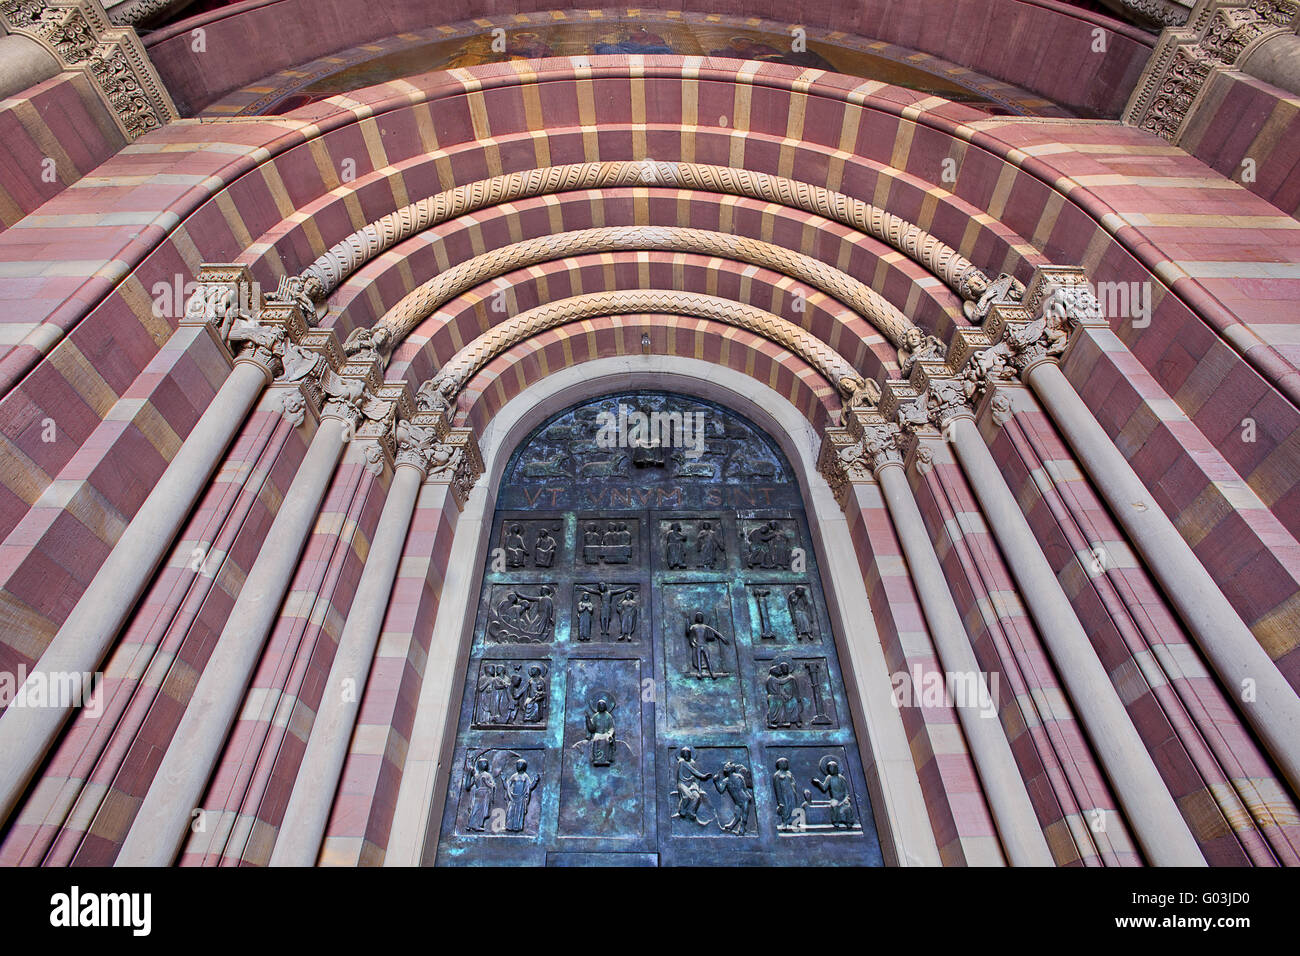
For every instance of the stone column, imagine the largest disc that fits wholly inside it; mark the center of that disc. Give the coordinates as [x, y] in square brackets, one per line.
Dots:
[1219, 631]
[23, 64]
[162, 822]
[87, 634]
[307, 814]
[1017, 823]
[1157, 822]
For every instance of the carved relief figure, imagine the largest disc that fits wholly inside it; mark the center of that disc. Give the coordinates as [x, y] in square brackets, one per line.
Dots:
[689, 792]
[708, 546]
[482, 787]
[628, 614]
[516, 550]
[585, 609]
[699, 636]
[530, 695]
[522, 618]
[675, 546]
[600, 730]
[544, 549]
[784, 702]
[519, 791]
[786, 795]
[801, 615]
[494, 686]
[619, 611]
[734, 780]
[836, 788]
[769, 547]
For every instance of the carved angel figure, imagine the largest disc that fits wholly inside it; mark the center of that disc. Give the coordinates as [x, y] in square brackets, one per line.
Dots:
[302, 291]
[857, 392]
[981, 294]
[918, 346]
[436, 395]
[368, 345]
[349, 398]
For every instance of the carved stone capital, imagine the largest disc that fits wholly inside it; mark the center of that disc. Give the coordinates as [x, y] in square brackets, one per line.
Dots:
[1218, 36]
[842, 463]
[80, 37]
[931, 397]
[456, 462]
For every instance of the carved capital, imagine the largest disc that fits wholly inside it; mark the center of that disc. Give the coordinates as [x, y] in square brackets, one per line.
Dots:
[1216, 37]
[842, 462]
[80, 37]
[946, 401]
[457, 462]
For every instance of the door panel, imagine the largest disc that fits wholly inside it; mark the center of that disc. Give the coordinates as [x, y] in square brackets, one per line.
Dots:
[642, 596]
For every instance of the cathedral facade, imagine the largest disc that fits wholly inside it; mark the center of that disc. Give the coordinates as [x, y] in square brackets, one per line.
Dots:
[490, 433]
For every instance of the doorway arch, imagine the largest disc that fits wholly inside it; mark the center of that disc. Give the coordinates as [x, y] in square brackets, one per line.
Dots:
[905, 833]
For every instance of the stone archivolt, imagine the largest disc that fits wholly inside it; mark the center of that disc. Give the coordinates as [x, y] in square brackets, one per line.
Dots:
[957, 272]
[420, 303]
[478, 353]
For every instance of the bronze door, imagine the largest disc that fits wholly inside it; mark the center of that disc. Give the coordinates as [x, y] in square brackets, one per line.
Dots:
[651, 586]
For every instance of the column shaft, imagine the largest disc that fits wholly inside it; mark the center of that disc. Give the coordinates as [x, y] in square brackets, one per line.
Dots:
[1159, 826]
[1017, 822]
[162, 822]
[87, 634]
[1218, 630]
[307, 814]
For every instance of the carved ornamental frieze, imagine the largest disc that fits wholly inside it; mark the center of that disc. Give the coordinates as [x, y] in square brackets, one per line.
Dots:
[79, 35]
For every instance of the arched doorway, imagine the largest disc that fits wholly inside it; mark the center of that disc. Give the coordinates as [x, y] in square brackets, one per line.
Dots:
[650, 586]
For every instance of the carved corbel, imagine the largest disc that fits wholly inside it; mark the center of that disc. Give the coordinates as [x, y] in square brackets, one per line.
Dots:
[223, 293]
